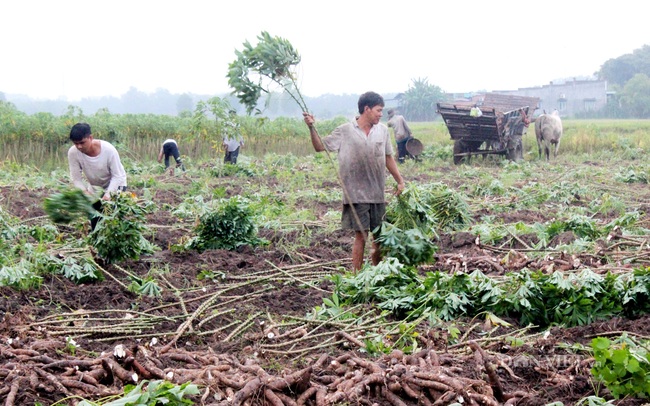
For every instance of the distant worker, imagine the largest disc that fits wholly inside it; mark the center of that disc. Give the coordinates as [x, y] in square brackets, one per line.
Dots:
[98, 161]
[402, 134]
[232, 140]
[170, 148]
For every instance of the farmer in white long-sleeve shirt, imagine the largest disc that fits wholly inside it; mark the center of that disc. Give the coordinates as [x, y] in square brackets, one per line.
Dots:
[97, 161]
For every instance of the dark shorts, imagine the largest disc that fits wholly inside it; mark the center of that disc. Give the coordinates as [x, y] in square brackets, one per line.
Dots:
[371, 215]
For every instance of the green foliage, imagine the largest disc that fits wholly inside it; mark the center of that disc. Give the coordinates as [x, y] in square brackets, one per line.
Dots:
[231, 225]
[410, 247]
[566, 298]
[632, 175]
[494, 188]
[636, 292]
[44, 233]
[144, 286]
[273, 58]
[591, 401]
[118, 234]
[448, 206]
[80, 269]
[412, 210]
[20, 276]
[332, 308]
[70, 346]
[413, 218]
[152, 393]
[621, 69]
[225, 122]
[68, 205]
[623, 365]
[419, 101]
[389, 284]
[241, 170]
[584, 227]
[25, 265]
[635, 96]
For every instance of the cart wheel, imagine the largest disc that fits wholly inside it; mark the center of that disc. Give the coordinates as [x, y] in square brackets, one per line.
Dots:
[464, 146]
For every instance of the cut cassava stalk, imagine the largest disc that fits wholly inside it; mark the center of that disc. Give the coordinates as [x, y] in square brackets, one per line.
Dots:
[297, 279]
[184, 326]
[242, 327]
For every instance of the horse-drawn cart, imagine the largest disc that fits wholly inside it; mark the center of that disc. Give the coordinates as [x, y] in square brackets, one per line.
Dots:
[494, 126]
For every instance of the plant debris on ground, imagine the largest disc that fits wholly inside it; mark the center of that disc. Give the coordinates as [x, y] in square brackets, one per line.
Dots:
[274, 324]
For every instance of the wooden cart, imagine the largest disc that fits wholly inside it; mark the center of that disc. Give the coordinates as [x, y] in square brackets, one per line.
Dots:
[494, 126]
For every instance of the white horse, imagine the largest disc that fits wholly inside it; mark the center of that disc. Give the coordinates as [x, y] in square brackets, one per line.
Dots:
[548, 129]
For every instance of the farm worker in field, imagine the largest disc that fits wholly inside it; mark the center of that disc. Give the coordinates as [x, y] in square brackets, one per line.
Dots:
[402, 134]
[364, 151]
[98, 161]
[232, 139]
[170, 148]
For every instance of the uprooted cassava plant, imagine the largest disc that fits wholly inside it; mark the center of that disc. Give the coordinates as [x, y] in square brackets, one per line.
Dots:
[272, 59]
[119, 232]
[414, 218]
[68, 205]
[228, 227]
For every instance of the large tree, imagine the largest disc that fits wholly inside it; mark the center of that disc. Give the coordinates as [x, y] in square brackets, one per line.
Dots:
[619, 70]
[635, 96]
[418, 103]
[184, 103]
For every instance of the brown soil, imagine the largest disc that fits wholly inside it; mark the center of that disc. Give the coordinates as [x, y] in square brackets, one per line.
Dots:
[226, 358]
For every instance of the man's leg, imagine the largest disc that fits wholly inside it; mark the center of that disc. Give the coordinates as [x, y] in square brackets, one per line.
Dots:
[358, 248]
[179, 164]
[401, 151]
[375, 256]
[177, 158]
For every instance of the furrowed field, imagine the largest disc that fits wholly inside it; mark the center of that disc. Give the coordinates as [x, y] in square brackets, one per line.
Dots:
[503, 283]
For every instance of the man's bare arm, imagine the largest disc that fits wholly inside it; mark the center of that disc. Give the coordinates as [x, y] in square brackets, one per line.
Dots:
[315, 138]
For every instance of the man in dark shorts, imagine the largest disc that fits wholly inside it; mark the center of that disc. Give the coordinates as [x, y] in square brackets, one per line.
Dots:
[364, 150]
[170, 148]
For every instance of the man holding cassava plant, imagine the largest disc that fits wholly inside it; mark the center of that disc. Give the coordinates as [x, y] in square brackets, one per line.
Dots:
[364, 151]
[98, 161]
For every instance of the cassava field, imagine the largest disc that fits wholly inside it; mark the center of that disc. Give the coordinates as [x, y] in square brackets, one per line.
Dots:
[503, 283]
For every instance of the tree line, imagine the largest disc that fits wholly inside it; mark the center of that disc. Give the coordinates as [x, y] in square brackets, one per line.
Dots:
[628, 78]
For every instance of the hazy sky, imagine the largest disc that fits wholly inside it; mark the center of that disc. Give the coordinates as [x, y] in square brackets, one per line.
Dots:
[89, 48]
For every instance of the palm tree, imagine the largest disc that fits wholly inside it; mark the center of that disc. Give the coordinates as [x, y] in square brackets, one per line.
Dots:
[419, 101]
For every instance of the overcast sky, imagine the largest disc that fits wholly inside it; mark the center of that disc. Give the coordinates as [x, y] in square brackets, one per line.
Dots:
[92, 48]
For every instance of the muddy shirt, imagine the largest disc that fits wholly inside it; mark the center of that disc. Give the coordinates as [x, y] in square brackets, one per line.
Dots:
[402, 130]
[362, 160]
[104, 170]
